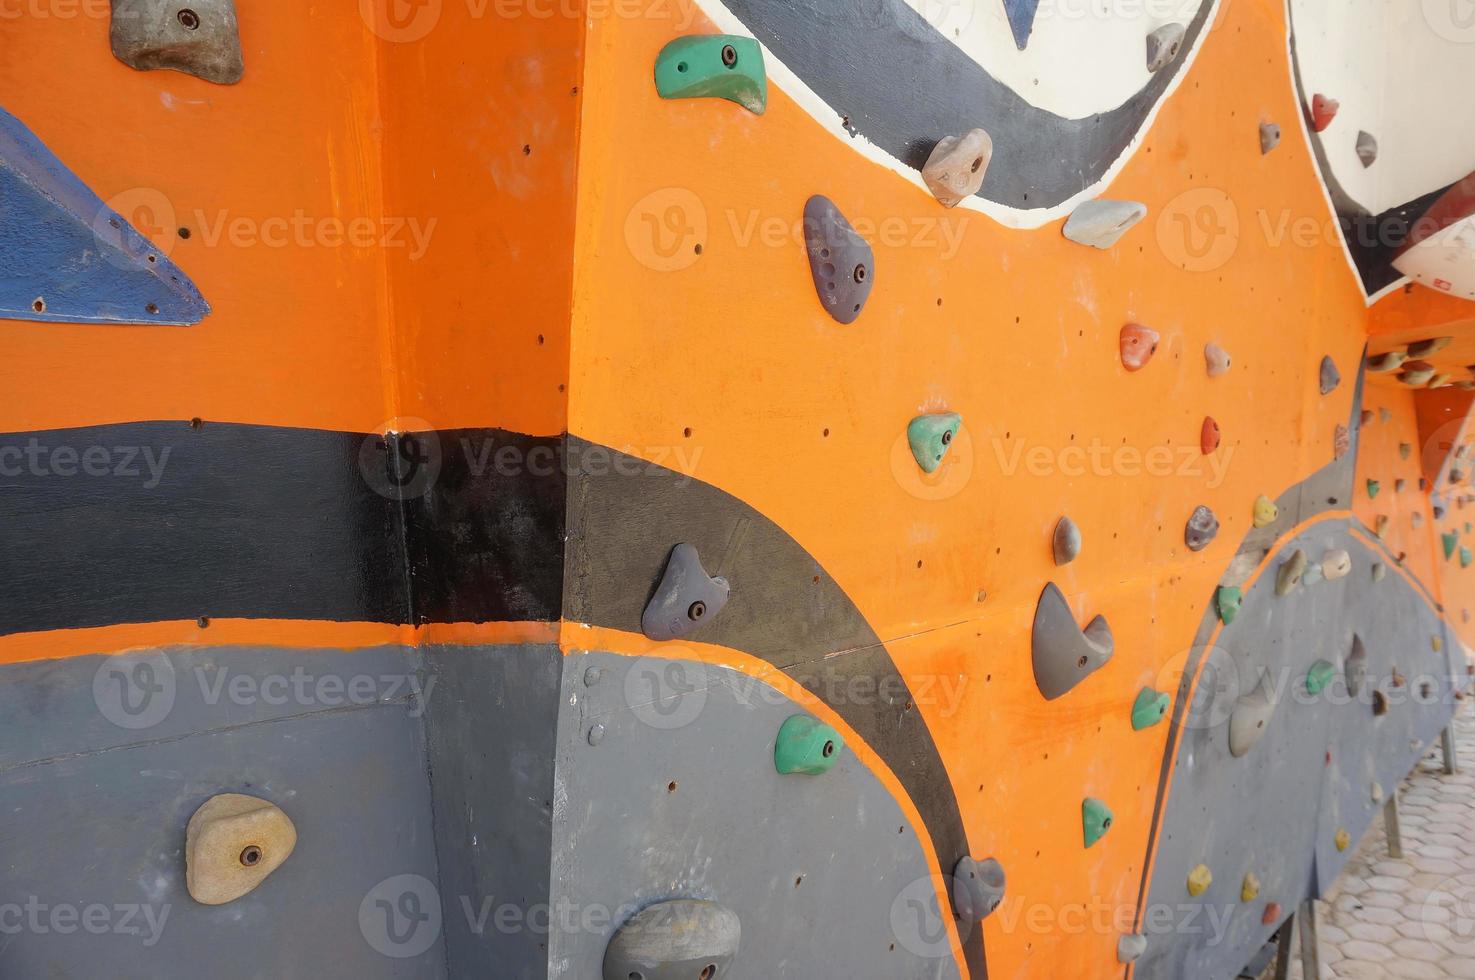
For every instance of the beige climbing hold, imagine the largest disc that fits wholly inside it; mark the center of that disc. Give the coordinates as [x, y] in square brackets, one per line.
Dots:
[1400, 485]
[1249, 890]
[1436, 643]
[1102, 223]
[1380, 525]
[1138, 344]
[1433, 345]
[1216, 359]
[1380, 571]
[1377, 793]
[1383, 363]
[1416, 374]
[1266, 512]
[1199, 880]
[232, 843]
[1343, 840]
[1336, 564]
[956, 167]
[1439, 381]
[1291, 571]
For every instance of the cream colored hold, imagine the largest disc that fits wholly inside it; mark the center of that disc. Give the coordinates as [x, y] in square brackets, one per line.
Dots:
[232, 844]
[955, 170]
[1336, 564]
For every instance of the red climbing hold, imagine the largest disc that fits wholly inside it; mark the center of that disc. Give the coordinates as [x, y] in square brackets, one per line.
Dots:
[1272, 914]
[1323, 111]
[1138, 345]
[1208, 438]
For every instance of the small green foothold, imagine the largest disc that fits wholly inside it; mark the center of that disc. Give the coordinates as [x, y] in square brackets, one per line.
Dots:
[1319, 676]
[1450, 540]
[1095, 819]
[1373, 486]
[1465, 557]
[930, 436]
[718, 66]
[1149, 708]
[1228, 600]
[806, 746]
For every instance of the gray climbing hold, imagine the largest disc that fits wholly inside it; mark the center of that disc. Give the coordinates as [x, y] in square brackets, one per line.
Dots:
[1102, 223]
[1291, 572]
[1312, 575]
[686, 599]
[1330, 376]
[1163, 45]
[197, 37]
[1202, 528]
[956, 167]
[1367, 148]
[1269, 137]
[1379, 572]
[1130, 948]
[1063, 653]
[840, 261]
[978, 888]
[1248, 721]
[1355, 669]
[1067, 542]
[1216, 360]
[676, 940]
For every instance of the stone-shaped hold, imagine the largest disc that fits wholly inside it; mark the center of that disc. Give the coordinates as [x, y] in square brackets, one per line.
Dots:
[1063, 654]
[1323, 111]
[231, 844]
[1271, 915]
[1066, 542]
[1400, 485]
[1367, 148]
[1199, 880]
[1329, 376]
[1249, 889]
[931, 436]
[1450, 540]
[1336, 564]
[198, 37]
[840, 261]
[714, 66]
[686, 599]
[1313, 574]
[1397, 678]
[1373, 487]
[1380, 571]
[978, 887]
[1342, 839]
[1021, 15]
[1208, 436]
[1380, 703]
[1129, 948]
[806, 746]
[1354, 671]
[1163, 45]
[1319, 676]
[1102, 223]
[1433, 345]
[1150, 708]
[1228, 601]
[1375, 793]
[1269, 137]
[1366, 418]
[1384, 363]
[1138, 344]
[1265, 512]
[1380, 525]
[1341, 441]
[677, 940]
[1216, 360]
[1249, 719]
[1416, 377]
[1405, 449]
[1292, 570]
[1201, 529]
[955, 169]
[1095, 820]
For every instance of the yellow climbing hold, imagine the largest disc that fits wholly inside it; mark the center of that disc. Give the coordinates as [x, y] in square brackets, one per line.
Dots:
[1437, 643]
[1265, 511]
[1343, 839]
[1199, 880]
[1250, 890]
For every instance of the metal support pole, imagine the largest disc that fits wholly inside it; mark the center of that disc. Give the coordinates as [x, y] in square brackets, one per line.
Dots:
[1390, 824]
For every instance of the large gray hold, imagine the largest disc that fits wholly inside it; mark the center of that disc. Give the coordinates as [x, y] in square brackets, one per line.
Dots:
[1249, 720]
[978, 888]
[841, 262]
[199, 38]
[1330, 376]
[1202, 528]
[1163, 45]
[1102, 223]
[677, 940]
[1063, 653]
[686, 598]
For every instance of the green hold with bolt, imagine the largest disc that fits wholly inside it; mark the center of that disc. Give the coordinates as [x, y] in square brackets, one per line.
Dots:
[714, 66]
[1449, 540]
[1149, 708]
[1095, 820]
[806, 746]
[1373, 486]
[930, 437]
[1228, 600]
[1319, 676]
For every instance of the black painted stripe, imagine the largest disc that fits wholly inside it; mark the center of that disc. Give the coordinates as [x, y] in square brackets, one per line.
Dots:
[894, 79]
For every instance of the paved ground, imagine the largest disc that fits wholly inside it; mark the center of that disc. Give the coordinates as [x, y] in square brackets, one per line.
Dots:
[1412, 918]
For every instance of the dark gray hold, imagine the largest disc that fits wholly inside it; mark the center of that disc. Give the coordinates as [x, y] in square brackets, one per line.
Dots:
[1202, 528]
[1067, 541]
[686, 598]
[197, 37]
[841, 262]
[1269, 137]
[678, 940]
[1330, 376]
[978, 888]
[1063, 653]
[1250, 718]
[1355, 670]
[1163, 45]
[1367, 148]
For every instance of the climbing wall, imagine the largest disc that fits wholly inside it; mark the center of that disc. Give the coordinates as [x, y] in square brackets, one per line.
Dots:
[757, 488]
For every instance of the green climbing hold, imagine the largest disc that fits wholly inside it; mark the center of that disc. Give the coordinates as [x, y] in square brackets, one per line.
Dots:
[1095, 819]
[1465, 557]
[930, 436]
[1373, 486]
[1149, 708]
[1319, 676]
[1449, 540]
[1228, 600]
[716, 66]
[806, 746]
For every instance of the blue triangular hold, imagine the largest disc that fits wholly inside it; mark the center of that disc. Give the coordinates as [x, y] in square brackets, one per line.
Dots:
[66, 257]
[1021, 19]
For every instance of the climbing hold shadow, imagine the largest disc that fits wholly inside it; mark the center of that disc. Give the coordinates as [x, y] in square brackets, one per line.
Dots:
[1102, 223]
[231, 844]
[1384, 363]
[1292, 570]
[978, 887]
[1066, 542]
[1163, 45]
[1329, 376]
[1323, 111]
[1319, 676]
[714, 66]
[1201, 529]
[930, 437]
[1129, 948]
[1367, 148]
[1208, 436]
[1138, 344]
[1150, 708]
[199, 38]
[1063, 654]
[1249, 889]
[1228, 601]
[1265, 511]
[840, 261]
[686, 599]
[1354, 671]
[956, 167]
[1216, 360]
[1021, 15]
[69, 258]
[676, 940]
[1249, 719]
[1199, 880]
[1433, 345]
[806, 746]
[1269, 137]
[1095, 820]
